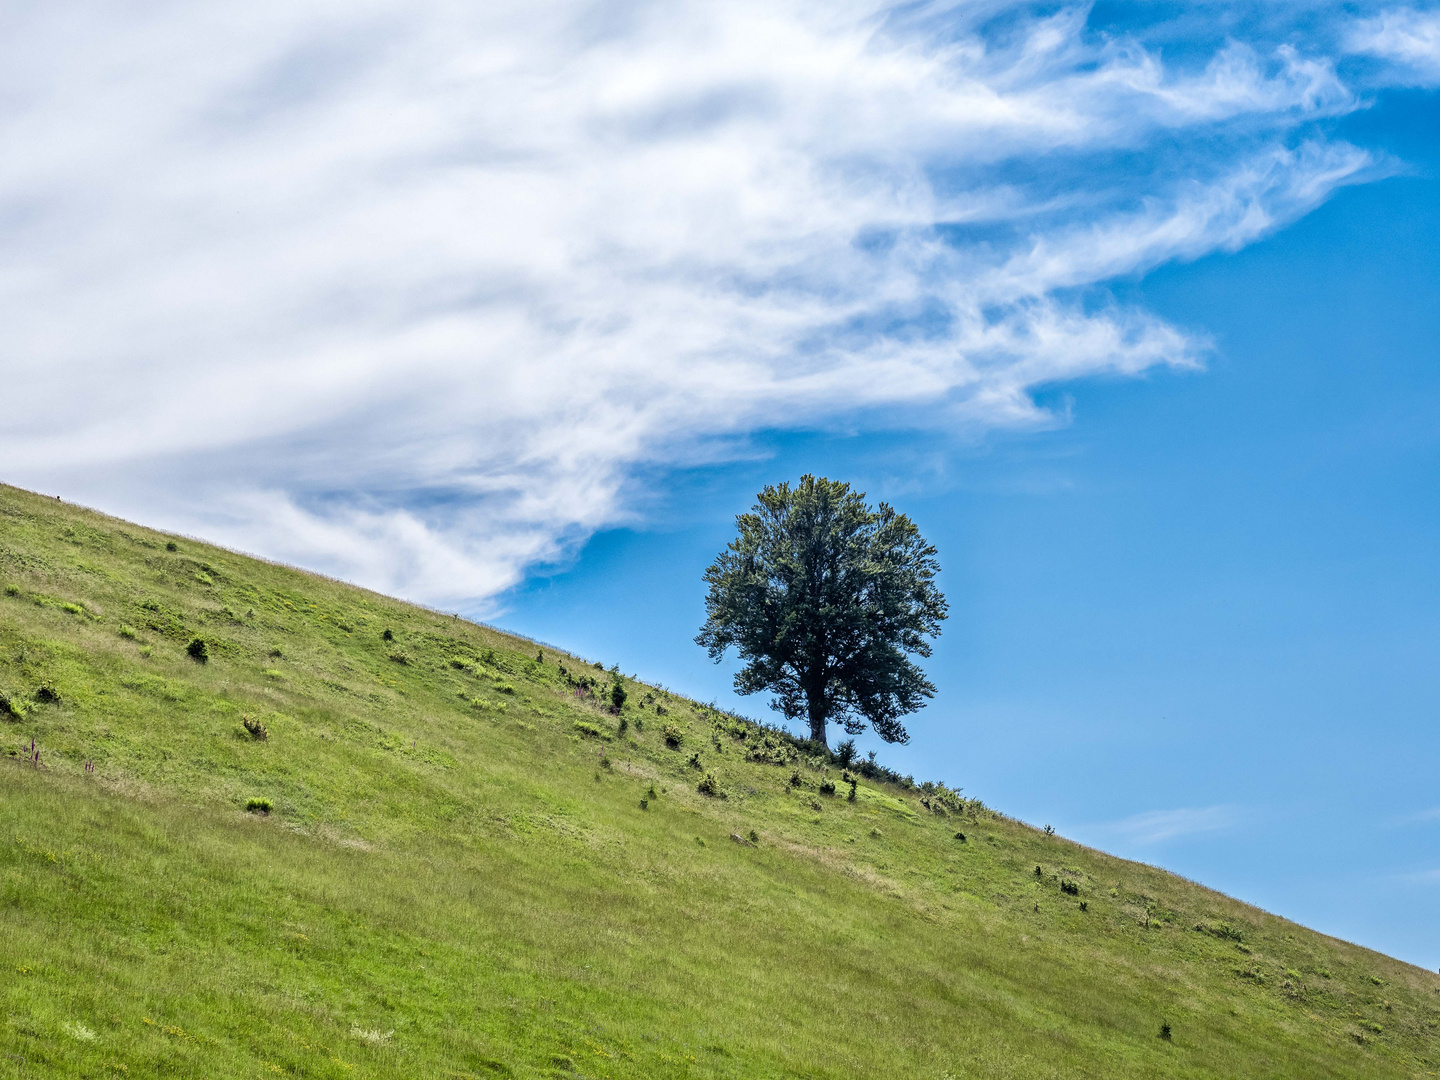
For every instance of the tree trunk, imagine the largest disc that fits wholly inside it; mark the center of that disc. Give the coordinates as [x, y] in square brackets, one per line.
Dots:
[817, 724]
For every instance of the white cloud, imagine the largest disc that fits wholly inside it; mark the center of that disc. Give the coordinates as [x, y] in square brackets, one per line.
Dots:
[409, 292]
[1405, 36]
[1161, 826]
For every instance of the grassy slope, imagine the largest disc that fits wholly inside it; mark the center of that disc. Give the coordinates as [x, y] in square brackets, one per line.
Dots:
[454, 883]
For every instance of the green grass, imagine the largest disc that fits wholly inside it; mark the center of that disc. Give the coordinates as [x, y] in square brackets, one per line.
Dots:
[456, 877]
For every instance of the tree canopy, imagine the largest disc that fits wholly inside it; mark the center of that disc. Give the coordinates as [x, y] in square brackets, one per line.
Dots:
[826, 599]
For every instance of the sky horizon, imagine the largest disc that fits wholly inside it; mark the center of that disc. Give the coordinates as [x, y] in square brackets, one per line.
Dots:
[1134, 308]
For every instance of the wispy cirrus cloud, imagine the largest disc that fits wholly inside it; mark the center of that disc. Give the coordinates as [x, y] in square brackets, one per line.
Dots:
[1407, 37]
[410, 292]
[1155, 827]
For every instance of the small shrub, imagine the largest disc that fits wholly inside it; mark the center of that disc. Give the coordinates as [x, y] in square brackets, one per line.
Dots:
[617, 694]
[457, 663]
[127, 631]
[589, 730]
[73, 609]
[170, 545]
[709, 786]
[256, 729]
[1165, 1031]
[660, 710]
[540, 657]
[388, 635]
[1049, 830]
[399, 657]
[827, 786]
[694, 762]
[624, 725]
[504, 688]
[1069, 888]
[644, 804]
[7, 710]
[12, 590]
[147, 650]
[198, 651]
[47, 694]
[651, 793]
[258, 806]
[876, 834]
[795, 780]
[1038, 872]
[845, 753]
[961, 837]
[673, 737]
[1084, 905]
[754, 837]
[271, 673]
[1377, 980]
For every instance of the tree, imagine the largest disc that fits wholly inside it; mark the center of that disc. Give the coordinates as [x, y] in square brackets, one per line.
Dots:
[825, 599]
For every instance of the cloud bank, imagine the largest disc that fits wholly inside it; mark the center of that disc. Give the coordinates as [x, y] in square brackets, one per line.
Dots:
[410, 293]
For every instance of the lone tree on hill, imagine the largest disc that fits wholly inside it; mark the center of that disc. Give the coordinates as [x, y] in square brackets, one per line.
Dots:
[825, 599]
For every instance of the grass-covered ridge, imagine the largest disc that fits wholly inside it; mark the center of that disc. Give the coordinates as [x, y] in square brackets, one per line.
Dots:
[457, 877]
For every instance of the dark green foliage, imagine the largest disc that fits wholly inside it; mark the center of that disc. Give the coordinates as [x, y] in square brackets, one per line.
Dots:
[827, 786]
[7, 710]
[845, 753]
[256, 729]
[47, 694]
[258, 806]
[170, 545]
[960, 836]
[388, 635]
[198, 651]
[1165, 1031]
[795, 780]
[1069, 888]
[617, 692]
[694, 762]
[826, 599]
[710, 786]
[673, 737]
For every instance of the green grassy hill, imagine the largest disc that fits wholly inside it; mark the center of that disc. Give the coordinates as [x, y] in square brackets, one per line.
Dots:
[471, 868]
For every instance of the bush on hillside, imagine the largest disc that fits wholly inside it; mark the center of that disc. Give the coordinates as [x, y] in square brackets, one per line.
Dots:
[827, 786]
[170, 545]
[617, 693]
[256, 729]
[845, 753]
[258, 806]
[198, 651]
[710, 786]
[47, 694]
[673, 737]
[7, 710]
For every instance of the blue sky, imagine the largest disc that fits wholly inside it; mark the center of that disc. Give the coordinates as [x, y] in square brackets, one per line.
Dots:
[510, 308]
[1199, 623]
